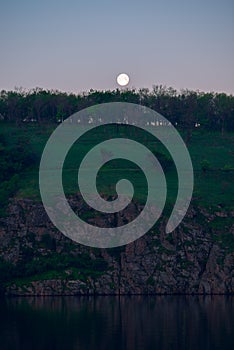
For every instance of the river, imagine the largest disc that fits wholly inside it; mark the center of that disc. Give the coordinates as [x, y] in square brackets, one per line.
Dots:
[116, 323]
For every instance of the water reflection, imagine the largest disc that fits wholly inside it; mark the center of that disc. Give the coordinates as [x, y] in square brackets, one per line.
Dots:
[131, 323]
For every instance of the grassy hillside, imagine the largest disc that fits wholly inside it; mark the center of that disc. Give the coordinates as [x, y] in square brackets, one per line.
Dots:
[211, 154]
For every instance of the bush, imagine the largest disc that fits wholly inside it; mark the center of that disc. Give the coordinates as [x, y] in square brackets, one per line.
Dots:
[205, 165]
[13, 161]
[6, 271]
[164, 160]
[49, 242]
[7, 190]
[31, 265]
[228, 167]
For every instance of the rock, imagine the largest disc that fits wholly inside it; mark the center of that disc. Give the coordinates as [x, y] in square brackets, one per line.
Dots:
[192, 259]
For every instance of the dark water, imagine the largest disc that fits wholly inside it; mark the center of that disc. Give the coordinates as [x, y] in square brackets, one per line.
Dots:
[131, 323]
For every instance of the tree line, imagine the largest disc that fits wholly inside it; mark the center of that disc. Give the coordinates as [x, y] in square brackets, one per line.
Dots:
[186, 108]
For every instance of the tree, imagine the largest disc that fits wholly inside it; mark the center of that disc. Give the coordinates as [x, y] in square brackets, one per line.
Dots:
[224, 108]
[189, 112]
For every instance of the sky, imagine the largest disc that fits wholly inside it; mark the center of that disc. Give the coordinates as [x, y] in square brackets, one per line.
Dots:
[75, 46]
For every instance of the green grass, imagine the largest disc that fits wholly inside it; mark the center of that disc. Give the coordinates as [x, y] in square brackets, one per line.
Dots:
[71, 273]
[214, 187]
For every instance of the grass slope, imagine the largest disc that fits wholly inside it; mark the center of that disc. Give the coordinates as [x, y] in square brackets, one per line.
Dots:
[214, 186]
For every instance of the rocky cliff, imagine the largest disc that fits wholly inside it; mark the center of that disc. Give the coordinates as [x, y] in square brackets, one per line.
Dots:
[36, 259]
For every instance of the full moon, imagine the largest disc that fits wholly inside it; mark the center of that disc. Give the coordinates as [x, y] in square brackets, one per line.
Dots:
[123, 79]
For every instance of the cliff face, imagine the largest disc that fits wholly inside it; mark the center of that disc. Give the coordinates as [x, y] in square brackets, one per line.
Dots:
[198, 257]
